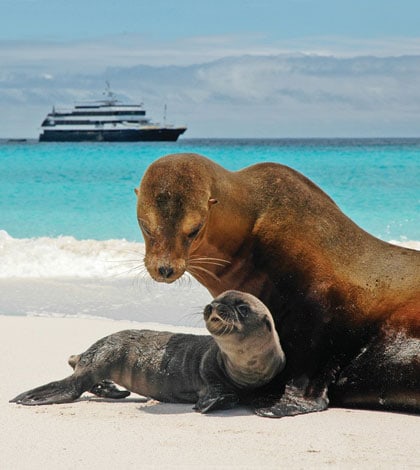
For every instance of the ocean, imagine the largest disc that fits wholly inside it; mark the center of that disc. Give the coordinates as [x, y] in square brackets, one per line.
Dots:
[69, 240]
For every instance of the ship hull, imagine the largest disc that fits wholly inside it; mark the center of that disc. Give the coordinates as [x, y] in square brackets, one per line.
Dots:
[126, 135]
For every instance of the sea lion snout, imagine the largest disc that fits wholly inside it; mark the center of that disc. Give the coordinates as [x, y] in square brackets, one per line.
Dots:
[222, 311]
[221, 319]
[208, 310]
[218, 307]
[234, 311]
[164, 270]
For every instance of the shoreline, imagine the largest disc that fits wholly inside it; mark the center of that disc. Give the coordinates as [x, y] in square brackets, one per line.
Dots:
[133, 434]
[89, 278]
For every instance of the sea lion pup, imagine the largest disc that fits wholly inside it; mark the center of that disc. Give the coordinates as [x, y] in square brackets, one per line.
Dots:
[213, 372]
[346, 305]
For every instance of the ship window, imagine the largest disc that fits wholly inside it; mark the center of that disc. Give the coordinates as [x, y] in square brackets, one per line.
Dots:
[104, 113]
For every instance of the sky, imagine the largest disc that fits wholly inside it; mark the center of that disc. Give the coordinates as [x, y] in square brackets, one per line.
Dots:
[65, 50]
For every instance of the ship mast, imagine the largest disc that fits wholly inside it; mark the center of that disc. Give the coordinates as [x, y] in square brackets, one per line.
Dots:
[108, 93]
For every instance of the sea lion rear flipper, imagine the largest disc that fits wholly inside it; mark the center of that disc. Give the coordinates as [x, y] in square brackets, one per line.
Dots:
[107, 389]
[61, 391]
[213, 402]
[293, 402]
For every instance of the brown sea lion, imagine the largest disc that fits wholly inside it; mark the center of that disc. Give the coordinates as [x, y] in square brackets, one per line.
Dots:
[346, 304]
[213, 372]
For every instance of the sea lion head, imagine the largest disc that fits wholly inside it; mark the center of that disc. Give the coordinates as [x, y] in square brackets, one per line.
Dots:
[244, 330]
[173, 204]
[235, 312]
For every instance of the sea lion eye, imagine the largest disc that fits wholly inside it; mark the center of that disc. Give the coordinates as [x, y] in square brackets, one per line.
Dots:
[243, 309]
[144, 228]
[194, 232]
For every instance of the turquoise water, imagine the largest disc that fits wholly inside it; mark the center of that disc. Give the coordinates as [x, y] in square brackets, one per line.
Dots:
[86, 189]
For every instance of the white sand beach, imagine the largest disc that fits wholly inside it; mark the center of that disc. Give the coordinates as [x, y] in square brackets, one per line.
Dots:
[96, 433]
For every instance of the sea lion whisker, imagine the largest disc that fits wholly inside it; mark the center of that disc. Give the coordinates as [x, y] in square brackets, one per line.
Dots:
[184, 280]
[143, 277]
[196, 275]
[138, 256]
[125, 250]
[196, 316]
[122, 261]
[188, 280]
[200, 268]
[223, 328]
[144, 282]
[229, 327]
[139, 274]
[215, 263]
[128, 269]
[140, 268]
[208, 258]
[123, 273]
[136, 280]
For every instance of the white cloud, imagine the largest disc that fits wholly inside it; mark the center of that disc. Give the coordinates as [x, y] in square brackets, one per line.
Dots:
[94, 55]
[278, 95]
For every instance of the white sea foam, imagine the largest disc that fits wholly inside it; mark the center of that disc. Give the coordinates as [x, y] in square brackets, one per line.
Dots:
[64, 276]
[67, 257]
[413, 244]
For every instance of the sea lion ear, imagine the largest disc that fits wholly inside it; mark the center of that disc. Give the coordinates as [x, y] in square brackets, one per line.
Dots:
[136, 190]
[212, 201]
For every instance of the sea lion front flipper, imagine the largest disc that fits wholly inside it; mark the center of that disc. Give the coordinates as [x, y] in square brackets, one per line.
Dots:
[293, 402]
[61, 391]
[210, 402]
[107, 389]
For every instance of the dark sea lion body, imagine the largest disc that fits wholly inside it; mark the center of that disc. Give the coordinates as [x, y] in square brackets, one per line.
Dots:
[346, 305]
[178, 368]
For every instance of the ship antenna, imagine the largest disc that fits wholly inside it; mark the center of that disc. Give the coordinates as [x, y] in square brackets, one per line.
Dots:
[165, 108]
[108, 93]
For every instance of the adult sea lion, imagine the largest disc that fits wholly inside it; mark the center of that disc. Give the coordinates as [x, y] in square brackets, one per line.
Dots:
[346, 304]
[213, 372]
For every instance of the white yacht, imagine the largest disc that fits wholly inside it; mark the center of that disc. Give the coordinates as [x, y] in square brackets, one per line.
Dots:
[105, 120]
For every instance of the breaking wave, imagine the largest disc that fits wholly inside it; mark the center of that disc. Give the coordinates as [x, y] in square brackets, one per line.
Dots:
[68, 257]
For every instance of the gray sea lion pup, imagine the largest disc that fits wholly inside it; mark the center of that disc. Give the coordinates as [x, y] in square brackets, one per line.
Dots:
[213, 372]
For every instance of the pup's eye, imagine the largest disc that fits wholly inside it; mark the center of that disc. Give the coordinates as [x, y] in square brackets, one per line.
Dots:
[194, 232]
[207, 310]
[243, 309]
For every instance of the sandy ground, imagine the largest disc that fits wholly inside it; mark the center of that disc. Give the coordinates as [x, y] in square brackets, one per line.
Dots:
[94, 433]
